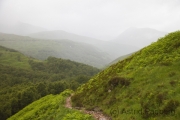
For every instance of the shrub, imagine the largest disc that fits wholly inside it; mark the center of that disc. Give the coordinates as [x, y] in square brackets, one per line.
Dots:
[115, 81]
[170, 107]
[160, 97]
[173, 82]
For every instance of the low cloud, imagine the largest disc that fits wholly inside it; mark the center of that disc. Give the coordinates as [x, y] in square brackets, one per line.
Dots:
[102, 19]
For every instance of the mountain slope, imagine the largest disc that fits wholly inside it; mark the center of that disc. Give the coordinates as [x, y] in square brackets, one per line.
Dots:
[119, 59]
[60, 34]
[139, 37]
[13, 58]
[114, 49]
[42, 49]
[143, 86]
[48, 108]
[24, 80]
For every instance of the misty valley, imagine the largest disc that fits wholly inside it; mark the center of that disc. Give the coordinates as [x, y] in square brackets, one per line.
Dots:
[39, 75]
[89, 60]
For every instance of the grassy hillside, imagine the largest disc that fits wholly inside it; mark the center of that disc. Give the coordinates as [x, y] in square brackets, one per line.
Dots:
[144, 86]
[24, 80]
[66, 49]
[119, 59]
[50, 107]
[13, 58]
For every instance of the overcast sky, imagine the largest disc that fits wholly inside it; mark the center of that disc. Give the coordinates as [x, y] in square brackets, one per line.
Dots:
[102, 19]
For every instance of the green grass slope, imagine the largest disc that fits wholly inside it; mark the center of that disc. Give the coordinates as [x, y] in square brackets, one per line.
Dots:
[24, 80]
[144, 86]
[66, 49]
[13, 58]
[50, 107]
[119, 59]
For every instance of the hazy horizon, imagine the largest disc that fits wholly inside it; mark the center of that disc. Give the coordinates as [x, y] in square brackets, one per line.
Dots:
[100, 19]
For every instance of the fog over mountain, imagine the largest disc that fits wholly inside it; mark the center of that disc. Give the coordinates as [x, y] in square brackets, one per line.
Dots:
[116, 27]
[112, 48]
[100, 19]
[139, 37]
[60, 34]
[20, 28]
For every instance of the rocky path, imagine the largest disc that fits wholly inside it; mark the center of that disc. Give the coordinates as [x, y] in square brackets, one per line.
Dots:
[95, 114]
[68, 103]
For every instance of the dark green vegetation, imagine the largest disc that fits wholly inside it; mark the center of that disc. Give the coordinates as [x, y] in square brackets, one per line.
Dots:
[50, 107]
[24, 80]
[145, 85]
[66, 49]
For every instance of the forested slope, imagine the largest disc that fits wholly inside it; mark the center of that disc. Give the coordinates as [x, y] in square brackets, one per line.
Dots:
[24, 80]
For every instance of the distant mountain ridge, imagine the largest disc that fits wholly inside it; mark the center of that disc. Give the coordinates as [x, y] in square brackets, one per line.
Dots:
[60, 34]
[112, 48]
[127, 42]
[20, 28]
[66, 49]
[139, 37]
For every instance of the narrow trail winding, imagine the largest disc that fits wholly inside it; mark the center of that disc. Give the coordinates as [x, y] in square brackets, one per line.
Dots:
[95, 114]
